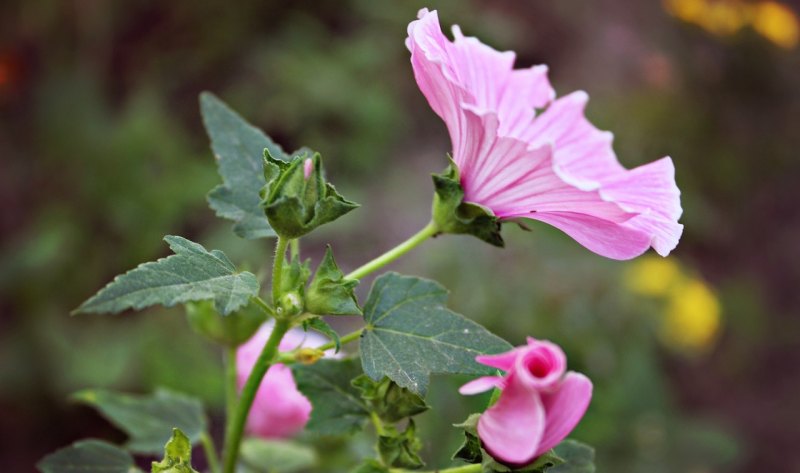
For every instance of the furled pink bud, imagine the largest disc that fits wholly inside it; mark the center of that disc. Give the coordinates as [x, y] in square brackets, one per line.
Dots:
[308, 166]
[279, 409]
[539, 405]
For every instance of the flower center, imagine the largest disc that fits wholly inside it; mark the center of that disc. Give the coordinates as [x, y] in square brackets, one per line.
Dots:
[539, 367]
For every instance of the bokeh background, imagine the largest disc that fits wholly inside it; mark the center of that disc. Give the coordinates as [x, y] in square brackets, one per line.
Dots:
[696, 358]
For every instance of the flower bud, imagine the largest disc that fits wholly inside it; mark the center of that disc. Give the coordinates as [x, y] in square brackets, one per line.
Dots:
[297, 199]
[309, 356]
[290, 304]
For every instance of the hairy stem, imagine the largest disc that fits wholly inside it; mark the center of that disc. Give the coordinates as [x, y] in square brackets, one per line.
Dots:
[294, 249]
[233, 436]
[210, 451]
[277, 269]
[396, 252]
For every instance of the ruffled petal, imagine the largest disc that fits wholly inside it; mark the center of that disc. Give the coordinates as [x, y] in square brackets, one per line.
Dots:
[650, 190]
[512, 429]
[540, 365]
[564, 409]
[279, 409]
[480, 385]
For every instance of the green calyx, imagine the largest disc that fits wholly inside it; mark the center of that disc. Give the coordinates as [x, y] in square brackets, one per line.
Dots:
[391, 402]
[177, 455]
[452, 215]
[296, 198]
[401, 449]
[329, 292]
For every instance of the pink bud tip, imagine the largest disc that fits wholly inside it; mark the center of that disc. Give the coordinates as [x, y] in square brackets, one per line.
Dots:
[308, 166]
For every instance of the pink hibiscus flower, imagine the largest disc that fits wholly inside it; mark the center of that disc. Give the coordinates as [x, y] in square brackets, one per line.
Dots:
[550, 165]
[539, 405]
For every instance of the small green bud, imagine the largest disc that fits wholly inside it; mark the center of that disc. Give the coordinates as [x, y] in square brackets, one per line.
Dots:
[452, 215]
[290, 305]
[297, 199]
[177, 455]
[329, 292]
[308, 356]
[232, 329]
[391, 402]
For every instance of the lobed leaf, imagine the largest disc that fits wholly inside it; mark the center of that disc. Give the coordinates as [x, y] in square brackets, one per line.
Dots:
[88, 456]
[410, 333]
[148, 420]
[238, 148]
[191, 274]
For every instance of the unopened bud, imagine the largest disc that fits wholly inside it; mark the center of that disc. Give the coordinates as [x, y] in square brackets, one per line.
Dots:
[309, 356]
[291, 304]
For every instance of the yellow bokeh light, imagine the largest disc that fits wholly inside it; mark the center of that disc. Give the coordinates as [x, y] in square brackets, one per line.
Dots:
[777, 23]
[692, 317]
[652, 275]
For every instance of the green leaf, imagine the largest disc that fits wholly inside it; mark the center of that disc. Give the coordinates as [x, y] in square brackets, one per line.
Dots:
[389, 401]
[329, 292]
[402, 449]
[177, 455]
[296, 204]
[231, 330]
[319, 325]
[238, 148]
[337, 405]
[191, 274]
[88, 456]
[148, 420]
[453, 215]
[277, 456]
[370, 465]
[411, 334]
[578, 458]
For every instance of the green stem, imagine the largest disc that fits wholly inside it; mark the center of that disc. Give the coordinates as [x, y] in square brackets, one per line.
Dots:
[472, 468]
[211, 452]
[277, 269]
[264, 306]
[396, 252]
[233, 437]
[294, 249]
[345, 339]
[230, 382]
[377, 422]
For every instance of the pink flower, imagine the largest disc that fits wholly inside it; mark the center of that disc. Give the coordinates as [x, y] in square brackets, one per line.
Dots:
[279, 409]
[539, 405]
[551, 165]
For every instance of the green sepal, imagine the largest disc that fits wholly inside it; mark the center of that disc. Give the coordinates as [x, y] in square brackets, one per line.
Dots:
[319, 325]
[295, 205]
[294, 276]
[231, 330]
[370, 465]
[452, 215]
[401, 449]
[329, 292]
[177, 455]
[389, 401]
[567, 457]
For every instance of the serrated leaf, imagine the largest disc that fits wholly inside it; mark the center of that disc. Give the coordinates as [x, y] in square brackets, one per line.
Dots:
[337, 405]
[238, 148]
[277, 456]
[319, 325]
[410, 333]
[191, 274]
[177, 455]
[88, 456]
[148, 420]
[329, 292]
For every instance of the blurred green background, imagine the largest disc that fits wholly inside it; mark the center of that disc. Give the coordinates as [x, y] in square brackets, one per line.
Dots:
[696, 358]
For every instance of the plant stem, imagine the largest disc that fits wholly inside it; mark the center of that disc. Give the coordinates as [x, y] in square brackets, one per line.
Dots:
[344, 340]
[472, 468]
[294, 249]
[264, 306]
[211, 452]
[231, 394]
[396, 252]
[277, 269]
[233, 437]
[376, 421]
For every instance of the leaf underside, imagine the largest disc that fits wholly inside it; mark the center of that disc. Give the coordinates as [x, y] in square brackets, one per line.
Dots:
[88, 456]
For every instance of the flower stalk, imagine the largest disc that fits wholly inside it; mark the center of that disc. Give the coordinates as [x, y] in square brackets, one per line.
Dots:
[415, 240]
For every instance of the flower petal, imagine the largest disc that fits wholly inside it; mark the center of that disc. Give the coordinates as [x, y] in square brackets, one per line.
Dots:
[279, 409]
[482, 384]
[512, 429]
[541, 364]
[565, 408]
[501, 361]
